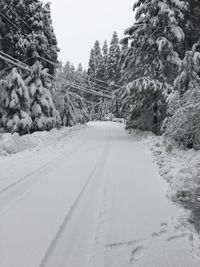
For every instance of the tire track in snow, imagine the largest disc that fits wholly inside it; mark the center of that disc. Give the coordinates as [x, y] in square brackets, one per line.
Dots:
[31, 179]
[98, 249]
[69, 215]
[35, 172]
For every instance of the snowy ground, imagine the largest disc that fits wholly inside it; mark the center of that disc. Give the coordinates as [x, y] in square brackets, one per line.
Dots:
[181, 169]
[90, 197]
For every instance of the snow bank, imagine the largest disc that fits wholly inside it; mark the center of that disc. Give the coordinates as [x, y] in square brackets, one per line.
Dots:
[13, 143]
[181, 168]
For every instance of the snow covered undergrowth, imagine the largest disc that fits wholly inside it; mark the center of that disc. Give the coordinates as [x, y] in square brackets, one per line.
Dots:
[181, 168]
[13, 143]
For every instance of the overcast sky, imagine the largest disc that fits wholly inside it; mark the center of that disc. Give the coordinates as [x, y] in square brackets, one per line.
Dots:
[78, 23]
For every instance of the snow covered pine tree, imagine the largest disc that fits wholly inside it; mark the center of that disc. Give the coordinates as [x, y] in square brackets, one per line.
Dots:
[15, 105]
[27, 35]
[113, 59]
[43, 111]
[152, 61]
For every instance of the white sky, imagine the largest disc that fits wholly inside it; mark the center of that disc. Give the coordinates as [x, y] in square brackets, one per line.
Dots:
[79, 23]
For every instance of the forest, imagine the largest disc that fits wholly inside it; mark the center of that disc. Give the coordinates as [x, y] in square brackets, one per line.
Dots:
[149, 76]
[99, 160]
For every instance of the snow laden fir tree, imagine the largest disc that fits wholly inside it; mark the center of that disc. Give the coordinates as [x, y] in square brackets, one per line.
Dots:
[151, 60]
[28, 107]
[113, 59]
[34, 34]
[31, 101]
[15, 104]
[43, 111]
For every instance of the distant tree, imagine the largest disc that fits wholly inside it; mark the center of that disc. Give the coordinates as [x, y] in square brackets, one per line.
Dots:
[79, 68]
[91, 65]
[113, 59]
[68, 98]
[105, 58]
[98, 59]
[96, 71]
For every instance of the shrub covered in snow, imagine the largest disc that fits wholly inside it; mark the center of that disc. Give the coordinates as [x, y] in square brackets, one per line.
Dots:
[183, 124]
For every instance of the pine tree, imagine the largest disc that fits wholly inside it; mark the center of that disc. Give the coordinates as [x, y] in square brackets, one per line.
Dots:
[113, 59]
[79, 68]
[80, 79]
[98, 59]
[43, 112]
[152, 61]
[190, 26]
[105, 58]
[69, 101]
[103, 110]
[95, 70]
[91, 65]
[15, 105]
[27, 31]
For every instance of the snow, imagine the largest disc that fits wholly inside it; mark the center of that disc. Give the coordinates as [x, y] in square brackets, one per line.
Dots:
[10, 143]
[14, 143]
[91, 197]
[180, 167]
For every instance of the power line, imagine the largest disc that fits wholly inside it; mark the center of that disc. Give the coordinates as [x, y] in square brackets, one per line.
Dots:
[10, 22]
[83, 85]
[90, 91]
[7, 68]
[12, 58]
[23, 66]
[26, 68]
[102, 88]
[103, 81]
[18, 63]
[17, 15]
[75, 86]
[57, 65]
[91, 78]
[87, 89]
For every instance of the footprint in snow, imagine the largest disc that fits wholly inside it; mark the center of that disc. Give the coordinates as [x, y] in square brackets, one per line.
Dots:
[122, 244]
[175, 237]
[157, 234]
[164, 224]
[136, 254]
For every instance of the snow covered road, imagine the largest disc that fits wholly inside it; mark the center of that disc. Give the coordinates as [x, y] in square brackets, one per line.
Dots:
[95, 200]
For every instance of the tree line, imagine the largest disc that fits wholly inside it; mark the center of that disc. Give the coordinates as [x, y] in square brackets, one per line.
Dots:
[155, 65]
